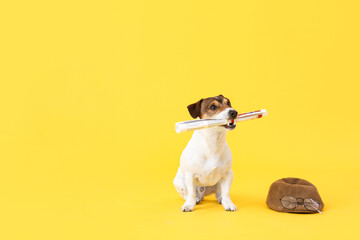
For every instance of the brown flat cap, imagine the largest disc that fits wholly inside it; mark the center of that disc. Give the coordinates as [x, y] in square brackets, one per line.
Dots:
[294, 195]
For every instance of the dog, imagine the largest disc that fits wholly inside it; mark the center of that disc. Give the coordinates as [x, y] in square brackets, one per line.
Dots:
[205, 163]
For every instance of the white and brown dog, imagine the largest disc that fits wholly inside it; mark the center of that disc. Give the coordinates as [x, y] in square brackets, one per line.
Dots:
[205, 164]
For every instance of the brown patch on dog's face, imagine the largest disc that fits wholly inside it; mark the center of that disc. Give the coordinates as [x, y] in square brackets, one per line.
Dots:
[209, 107]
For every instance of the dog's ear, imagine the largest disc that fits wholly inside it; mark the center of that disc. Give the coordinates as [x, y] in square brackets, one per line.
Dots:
[195, 109]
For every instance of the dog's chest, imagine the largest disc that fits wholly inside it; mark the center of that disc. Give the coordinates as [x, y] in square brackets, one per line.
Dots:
[211, 172]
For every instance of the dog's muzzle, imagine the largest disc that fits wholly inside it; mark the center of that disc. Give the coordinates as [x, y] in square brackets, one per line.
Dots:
[232, 116]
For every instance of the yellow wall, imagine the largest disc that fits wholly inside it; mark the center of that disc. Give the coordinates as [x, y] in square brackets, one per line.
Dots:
[90, 92]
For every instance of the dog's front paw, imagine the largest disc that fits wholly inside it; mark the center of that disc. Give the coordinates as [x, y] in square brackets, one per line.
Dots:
[228, 205]
[188, 206]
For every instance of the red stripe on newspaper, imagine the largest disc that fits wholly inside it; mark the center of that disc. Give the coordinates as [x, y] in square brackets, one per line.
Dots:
[249, 113]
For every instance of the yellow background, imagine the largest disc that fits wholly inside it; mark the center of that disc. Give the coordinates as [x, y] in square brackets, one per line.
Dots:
[90, 92]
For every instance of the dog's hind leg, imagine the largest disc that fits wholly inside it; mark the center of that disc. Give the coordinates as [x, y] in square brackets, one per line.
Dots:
[179, 183]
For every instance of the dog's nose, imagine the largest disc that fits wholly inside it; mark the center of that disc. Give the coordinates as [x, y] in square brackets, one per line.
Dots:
[233, 114]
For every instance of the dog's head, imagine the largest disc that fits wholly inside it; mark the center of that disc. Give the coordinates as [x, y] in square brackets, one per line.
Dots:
[218, 107]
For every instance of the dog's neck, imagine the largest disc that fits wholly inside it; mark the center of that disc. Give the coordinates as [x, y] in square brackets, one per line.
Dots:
[214, 138]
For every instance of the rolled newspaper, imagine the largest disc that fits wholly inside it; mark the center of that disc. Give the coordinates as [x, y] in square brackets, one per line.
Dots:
[207, 123]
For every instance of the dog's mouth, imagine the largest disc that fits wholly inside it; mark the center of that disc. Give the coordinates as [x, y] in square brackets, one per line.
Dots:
[231, 125]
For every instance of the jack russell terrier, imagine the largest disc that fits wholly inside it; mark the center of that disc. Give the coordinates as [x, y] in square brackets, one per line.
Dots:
[205, 163]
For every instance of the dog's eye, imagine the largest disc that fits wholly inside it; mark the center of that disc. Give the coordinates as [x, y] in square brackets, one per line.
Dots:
[213, 107]
[229, 103]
